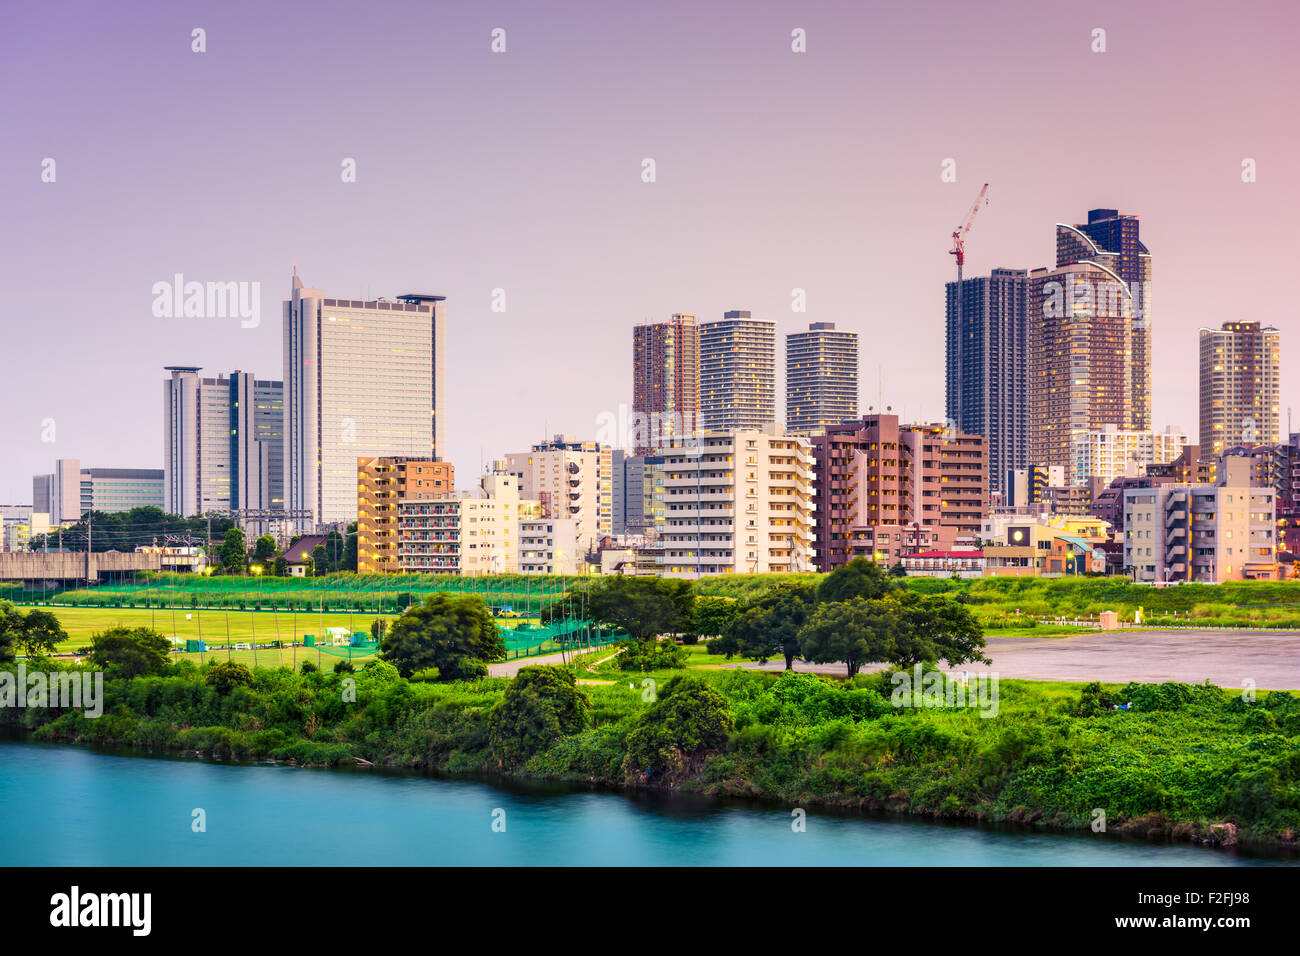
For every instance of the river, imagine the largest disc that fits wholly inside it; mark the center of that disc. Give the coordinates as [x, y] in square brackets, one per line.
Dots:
[74, 806]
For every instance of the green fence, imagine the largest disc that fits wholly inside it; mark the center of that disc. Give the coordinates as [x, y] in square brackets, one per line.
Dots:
[525, 595]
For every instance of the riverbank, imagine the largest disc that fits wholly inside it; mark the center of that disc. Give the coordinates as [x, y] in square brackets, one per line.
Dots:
[1185, 763]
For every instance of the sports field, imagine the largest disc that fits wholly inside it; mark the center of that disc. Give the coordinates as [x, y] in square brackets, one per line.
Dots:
[219, 627]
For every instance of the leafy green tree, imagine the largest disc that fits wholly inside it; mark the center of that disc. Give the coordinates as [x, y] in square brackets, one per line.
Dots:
[349, 561]
[320, 562]
[234, 551]
[130, 651]
[855, 632]
[770, 626]
[933, 627]
[711, 616]
[264, 550]
[688, 718]
[858, 578]
[643, 607]
[124, 530]
[898, 570]
[228, 675]
[41, 631]
[281, 566]
[377, 628]
[541, 705]
[11, 626]
[453, 633]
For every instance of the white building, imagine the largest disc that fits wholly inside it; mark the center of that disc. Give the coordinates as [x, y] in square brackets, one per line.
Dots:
[571, 479]
[223, 442]
[1110, 452]
[360, 379]
[549, 546]
[463, 534]
[738, 502]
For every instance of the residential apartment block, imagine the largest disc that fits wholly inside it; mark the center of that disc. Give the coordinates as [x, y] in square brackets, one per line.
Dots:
[464, 534]
[1240, 376]
[665, 380]
[738, 502]
[737, 372]
[988, 366]
[821, 377]
[571, 479]
[1111, 452]
[913, 486]
[1209, 533]
[383, 482]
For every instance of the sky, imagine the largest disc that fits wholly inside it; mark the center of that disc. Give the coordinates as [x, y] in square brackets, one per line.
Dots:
[523, 171]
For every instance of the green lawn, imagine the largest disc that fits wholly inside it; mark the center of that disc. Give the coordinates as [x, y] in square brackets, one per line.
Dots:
[247, 627]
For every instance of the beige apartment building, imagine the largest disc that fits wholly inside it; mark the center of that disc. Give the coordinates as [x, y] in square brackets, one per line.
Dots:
[1202, 532]
[737, 502]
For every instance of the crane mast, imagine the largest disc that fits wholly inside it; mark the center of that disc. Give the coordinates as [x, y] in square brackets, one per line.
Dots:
[959, 251]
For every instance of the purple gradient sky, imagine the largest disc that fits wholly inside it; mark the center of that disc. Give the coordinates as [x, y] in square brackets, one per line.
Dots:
[522, 171]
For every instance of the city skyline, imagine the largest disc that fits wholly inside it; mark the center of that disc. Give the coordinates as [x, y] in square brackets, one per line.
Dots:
[581, 247]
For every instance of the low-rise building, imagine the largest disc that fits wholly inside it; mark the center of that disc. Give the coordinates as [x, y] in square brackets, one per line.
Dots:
[464, 534]
[944, 564]
[383, 482]
[1207, 533]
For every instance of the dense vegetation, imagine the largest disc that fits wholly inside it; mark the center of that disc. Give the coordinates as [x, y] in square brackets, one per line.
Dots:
[1184, 761]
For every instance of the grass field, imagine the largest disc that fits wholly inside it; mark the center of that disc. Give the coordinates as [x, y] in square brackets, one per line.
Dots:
[248, 627]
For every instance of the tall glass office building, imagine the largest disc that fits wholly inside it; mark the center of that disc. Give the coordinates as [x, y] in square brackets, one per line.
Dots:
[361, 378]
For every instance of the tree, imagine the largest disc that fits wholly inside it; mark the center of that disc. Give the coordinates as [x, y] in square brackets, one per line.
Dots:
[130, 651]
[934, 627]
[228, 675]
[859, 578]
[234, 551]
[320, 562]
[349, 561]
[281, 566]
[689, 718]
[711, 616]
[264, 550]
[541, 705]
[34, 634]
[11, 625]
[771, 625]
[898, 570]
[453, 633]
[643, 607]
[856, 632]
[41, 632]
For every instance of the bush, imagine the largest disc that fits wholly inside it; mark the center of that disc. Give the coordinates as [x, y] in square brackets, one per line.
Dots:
[688, 719]
[541, 705]
[228, 675]
[651, 655]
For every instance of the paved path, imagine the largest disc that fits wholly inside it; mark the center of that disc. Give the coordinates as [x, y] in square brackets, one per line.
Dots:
[511, 668]
[1270, 659]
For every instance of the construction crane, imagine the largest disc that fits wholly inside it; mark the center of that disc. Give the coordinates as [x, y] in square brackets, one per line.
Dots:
[959, 250]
